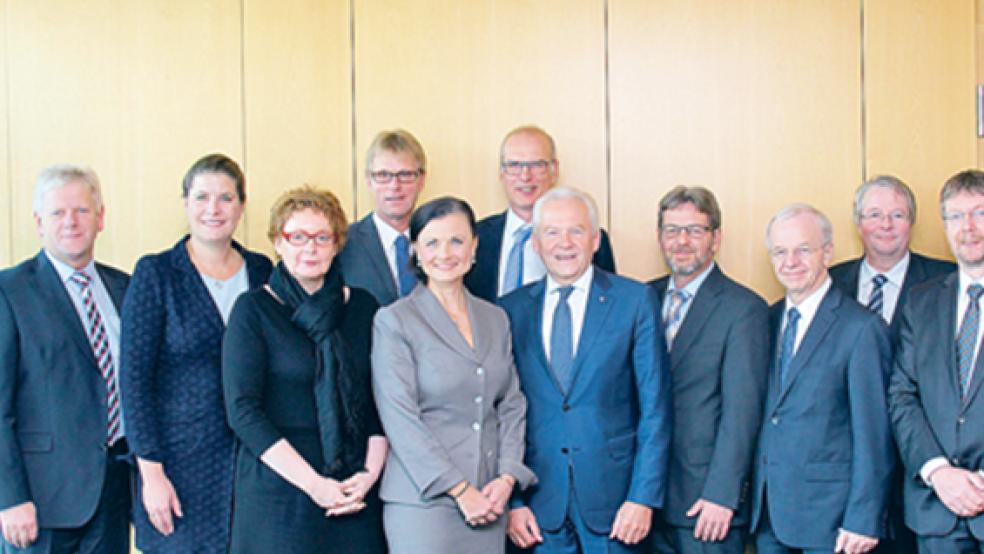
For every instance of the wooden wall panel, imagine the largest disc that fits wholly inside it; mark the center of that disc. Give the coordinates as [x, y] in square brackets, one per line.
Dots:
[138, 91]
[979, 54]
[5, 187]
[459, 75]
[919, 90]
[758, 101]
[298, 104]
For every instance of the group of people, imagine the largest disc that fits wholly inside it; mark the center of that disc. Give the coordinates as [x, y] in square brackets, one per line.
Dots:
[422, 382]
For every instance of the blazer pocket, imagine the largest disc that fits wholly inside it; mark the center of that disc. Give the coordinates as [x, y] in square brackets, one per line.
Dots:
[700, 455]
[621, 447]
[35, 442]
[827, 471]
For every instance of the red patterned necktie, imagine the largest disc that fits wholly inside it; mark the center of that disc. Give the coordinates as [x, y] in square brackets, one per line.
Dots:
[104, 358]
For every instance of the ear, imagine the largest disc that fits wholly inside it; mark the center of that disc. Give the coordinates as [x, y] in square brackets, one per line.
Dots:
[37, 222]
[828, 254]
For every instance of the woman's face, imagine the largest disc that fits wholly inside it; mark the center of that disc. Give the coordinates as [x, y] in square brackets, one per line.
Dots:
[307, 246]
[445, 248]
[213, 207]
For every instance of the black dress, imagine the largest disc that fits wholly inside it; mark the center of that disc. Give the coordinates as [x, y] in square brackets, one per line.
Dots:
[268, 372]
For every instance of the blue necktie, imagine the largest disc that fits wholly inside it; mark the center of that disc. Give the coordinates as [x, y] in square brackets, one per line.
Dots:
[877, 299]
[561, 338]
[514, 264]
[788, 344]
[967, 337]
[403, 273]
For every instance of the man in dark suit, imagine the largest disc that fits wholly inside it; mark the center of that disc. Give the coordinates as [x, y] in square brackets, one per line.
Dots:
[935, 399]
[377, 249]
[884, 213]
[825, 454]
[505, 259]
[717, 332]
[590, 358]
[64, 479]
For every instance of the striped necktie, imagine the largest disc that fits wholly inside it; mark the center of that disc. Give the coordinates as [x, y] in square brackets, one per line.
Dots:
[674, 315]
[967, 337]
[99, 340]
[788, 344]
[877, 300]
[513, 279]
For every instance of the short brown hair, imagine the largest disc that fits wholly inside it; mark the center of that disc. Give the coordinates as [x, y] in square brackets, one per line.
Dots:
[308, 198]
[968, 180]
[700, 197]
[396, 141]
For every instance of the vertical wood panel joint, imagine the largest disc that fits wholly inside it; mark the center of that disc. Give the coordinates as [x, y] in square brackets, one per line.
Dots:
[354, 137]
[863, 99]
[244, 224]
[608, 120]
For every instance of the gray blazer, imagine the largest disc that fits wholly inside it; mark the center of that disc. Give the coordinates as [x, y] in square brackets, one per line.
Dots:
[450, 411]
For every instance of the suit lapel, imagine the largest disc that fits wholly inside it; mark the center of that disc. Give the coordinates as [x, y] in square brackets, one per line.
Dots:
[704, 304]
[192, 282]
[595, 315]
[851, 282]
[53, 289]
[482, 333]
[376, 253]
[822, 322]
[915, 273]
[538, 294]
[440, 322]
[114, 287]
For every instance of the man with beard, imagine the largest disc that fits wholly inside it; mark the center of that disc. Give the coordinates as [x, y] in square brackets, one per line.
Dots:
[377, 250]
[935, 398]
[717, 335]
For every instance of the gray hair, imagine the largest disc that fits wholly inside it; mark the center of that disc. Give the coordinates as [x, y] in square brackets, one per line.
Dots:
[886, 182]
[564, 193]
[57, 176]
[528, 130]
[699, 197]
[793, 210]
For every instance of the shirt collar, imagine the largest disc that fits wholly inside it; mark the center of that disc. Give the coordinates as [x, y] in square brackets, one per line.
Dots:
[387, 234]
[513, 223]
[810, 304]
[581, 284]
[895, 275]
[966, 281]
[693, 286]
[65, 271]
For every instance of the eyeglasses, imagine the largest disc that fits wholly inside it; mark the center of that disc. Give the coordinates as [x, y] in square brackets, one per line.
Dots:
[955, 218]
[536, 167]
[800, 251]
[404, 176]
[694, 231]
[898, 216]
[300, 238]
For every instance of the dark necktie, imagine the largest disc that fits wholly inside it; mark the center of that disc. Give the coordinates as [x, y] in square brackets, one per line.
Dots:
[877, 300]
[967, 337]
[562, 338]
[674, 315]
[513, 279]
[404, 275]
[99, 341]
[788, 344]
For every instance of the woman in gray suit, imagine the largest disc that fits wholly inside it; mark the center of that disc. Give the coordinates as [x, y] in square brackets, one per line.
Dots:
[448, 398]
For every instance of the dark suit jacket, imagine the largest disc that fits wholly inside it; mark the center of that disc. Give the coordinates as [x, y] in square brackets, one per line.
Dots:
[825, 454]
[921, 268]
[483, 279]
[929, 417]
[52, 396]
[364, 262]
[719, 365]
[611, 428]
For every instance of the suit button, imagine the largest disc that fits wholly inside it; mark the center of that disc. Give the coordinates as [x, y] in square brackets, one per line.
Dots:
[775, 421]
[480, 371]
[476, 426]
[564, 450]
[567, 407]
[961, 420]
[955, 462]
[478, 399]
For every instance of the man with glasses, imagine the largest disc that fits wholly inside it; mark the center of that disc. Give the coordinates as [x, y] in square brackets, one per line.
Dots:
[717, 333]
[505, 259]
[825, 457]
[935, 399]
[377, 251]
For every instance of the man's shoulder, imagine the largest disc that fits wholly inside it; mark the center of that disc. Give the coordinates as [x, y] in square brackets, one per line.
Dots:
[490, 223]
[933, 267]
[112, 272]
[840, 271]
[17, 275]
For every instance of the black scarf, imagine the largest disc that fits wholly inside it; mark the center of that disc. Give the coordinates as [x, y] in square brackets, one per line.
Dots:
[339, 389]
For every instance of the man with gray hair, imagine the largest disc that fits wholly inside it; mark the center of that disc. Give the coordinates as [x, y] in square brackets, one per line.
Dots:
[64, 481]
[825, 455]
[590, 358]
[935, 399]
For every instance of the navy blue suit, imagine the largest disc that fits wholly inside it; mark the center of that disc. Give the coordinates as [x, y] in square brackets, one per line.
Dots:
[171, 383]
[608, 436]
[825, 454]
[53, 411]
[364, 262]
[483, 279]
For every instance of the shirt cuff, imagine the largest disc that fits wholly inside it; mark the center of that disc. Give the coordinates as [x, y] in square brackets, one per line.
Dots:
[929, 467]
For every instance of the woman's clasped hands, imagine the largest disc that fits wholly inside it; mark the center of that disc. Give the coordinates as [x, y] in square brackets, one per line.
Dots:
[481, 507]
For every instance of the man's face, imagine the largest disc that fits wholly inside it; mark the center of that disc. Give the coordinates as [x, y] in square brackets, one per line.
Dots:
[799, 257]
[528, 170]
[687, 241]
[396, 198]
[69, 222]
[565, 239]
[885, 224]
[963, 215]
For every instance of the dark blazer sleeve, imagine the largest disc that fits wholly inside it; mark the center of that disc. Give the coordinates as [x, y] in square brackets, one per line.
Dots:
[653, 433]
[143, 322]
[604, 257]
[13, 475]
[245, 362]
[744, 373]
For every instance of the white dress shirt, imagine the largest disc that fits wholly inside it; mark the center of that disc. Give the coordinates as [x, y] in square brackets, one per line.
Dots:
[533, 268]
[578, 301]
[690, 289]
[807, 310]
[387, 237]
[890, 290]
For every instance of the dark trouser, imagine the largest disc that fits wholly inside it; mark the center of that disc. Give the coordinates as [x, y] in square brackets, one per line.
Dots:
[766, 541]
[107, 532]
[667, 539]
[958, 541]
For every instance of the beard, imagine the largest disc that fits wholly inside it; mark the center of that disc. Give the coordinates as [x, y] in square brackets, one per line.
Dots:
[687, 269]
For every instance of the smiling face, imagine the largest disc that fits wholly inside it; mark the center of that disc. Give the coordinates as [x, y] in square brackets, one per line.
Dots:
[445, 248]
[966, 232]
[213, 207]
[885, 224]
[526, 187]
[687, 241]
[565, 239]
[308, 263]
[69, 222]
[395, 200]
[799, 256]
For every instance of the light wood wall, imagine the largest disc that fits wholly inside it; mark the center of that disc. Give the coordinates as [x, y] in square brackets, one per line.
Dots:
[763, 101]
